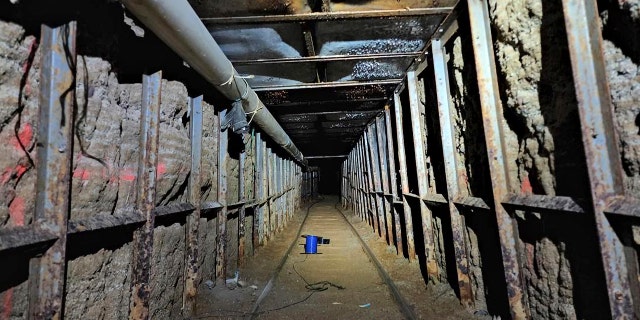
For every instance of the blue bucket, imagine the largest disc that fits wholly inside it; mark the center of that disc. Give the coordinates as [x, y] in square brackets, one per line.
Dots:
[311, 245]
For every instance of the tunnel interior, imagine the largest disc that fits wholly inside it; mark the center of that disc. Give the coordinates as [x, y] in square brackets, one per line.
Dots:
[466, 159]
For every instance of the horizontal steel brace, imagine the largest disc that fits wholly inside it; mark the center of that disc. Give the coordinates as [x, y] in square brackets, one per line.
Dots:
[329, 16]
[332, 58]
[23, 236]
[323, 85]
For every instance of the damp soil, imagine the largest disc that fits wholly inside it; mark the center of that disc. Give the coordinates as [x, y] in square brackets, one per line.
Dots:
[342, 263]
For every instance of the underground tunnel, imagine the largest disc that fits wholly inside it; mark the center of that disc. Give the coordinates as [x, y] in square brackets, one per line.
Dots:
[319, 159]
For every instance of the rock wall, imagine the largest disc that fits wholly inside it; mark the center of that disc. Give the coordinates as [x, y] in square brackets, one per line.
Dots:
[622, 56]
[558, 253]
[105, 160]
[19, 90]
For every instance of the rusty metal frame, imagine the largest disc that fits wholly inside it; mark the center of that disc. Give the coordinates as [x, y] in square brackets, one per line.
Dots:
[377, 206]
[335, 84]
[379, 150]
[221, 235]
[270, 190]
[404, 178]
[492, 116]
[445, 112]
[242, 210]
[365, 183]
[54, 148]
[421, 169]
[384, 171]
[600, 145]
[392, 178]
[331, 58]
[195, 199]
[258, 216]
[146, 193]
[326, 16]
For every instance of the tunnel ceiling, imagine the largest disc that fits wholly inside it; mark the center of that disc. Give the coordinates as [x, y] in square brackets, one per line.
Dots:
[324, 75]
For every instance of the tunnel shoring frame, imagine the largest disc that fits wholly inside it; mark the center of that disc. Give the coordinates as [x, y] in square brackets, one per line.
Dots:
[47, 235]
[605, 172]
[607, 200]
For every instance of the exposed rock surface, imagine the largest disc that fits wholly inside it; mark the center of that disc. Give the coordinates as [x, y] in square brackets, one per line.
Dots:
[19, 90]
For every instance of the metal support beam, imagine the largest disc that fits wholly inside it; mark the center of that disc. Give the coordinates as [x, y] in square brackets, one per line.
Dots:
[54, 149]
[600, 145]
[241, 212]
[258, 214]
[445, 112]
[193, 220]
[380, 149]
[404, 178]
[145, 200]
[378, 207]
[421, 170]
[221, 236]
[392, 178]
[492, 117]
[329, 16]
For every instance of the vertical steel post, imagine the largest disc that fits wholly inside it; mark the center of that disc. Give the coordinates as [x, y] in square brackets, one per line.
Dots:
[392, 177]
[145, 201]
[445, 112]
[241, 210]
[376, 206]
[363, 198]
[361, 202]
[221, 236]
[259, 195]
[384, 173]
[55, 151]
[279, 181]
[421, 169]
[600, 144]
[193, 220]
[370, 209]
[492, 118]
[404, 178]
[269, 181]
[266, 211]
[377, 176]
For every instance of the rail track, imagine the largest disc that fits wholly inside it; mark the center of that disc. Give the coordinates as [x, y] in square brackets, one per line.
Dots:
[310, 222]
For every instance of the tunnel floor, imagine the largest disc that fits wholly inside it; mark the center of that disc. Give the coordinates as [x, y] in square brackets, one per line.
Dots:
[354, 288]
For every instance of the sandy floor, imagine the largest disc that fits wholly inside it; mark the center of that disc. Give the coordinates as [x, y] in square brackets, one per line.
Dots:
[343, 264]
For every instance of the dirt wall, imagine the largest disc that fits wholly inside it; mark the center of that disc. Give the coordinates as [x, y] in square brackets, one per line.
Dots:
[106, 152]
[558, 253]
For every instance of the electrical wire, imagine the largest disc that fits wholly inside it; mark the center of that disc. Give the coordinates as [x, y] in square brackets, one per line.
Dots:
[313, 288]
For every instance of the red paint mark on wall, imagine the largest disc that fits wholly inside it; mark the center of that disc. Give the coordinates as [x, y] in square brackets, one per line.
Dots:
[82, 174]
[526, 188]
[11, 173]
[25, 134]
[128, 175]
[7, 303]
[16, 211]
[162, 169]
[20, 170]
[6, 175]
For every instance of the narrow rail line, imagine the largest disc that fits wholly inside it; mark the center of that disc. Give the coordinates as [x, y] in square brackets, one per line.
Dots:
[403, 306]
